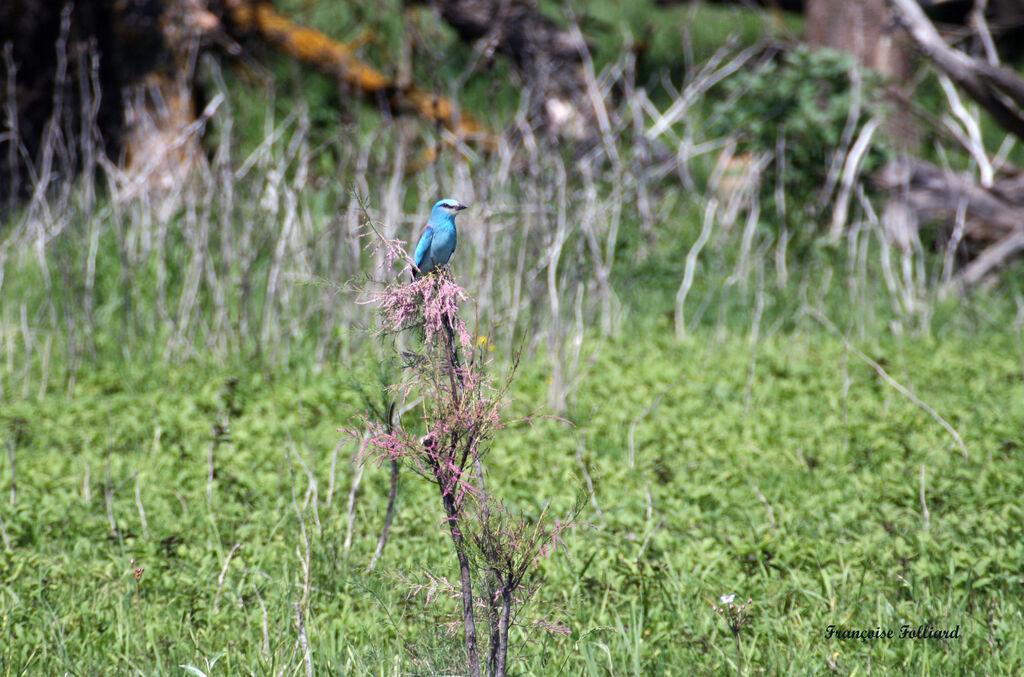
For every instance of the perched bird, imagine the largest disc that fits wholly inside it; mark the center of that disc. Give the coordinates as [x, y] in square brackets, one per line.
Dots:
[438, 241]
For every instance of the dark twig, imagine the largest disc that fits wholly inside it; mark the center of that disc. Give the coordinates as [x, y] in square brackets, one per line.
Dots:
[390, 513]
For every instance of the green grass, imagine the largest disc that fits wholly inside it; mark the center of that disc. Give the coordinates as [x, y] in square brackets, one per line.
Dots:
[840, 470]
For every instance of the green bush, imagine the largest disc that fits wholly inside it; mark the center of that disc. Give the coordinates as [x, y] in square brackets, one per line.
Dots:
[804, 99]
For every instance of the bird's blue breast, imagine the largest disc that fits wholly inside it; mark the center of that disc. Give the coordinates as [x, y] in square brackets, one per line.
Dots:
[443, 243]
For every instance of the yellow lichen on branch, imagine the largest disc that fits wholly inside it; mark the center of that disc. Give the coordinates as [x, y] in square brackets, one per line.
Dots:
[336, 59]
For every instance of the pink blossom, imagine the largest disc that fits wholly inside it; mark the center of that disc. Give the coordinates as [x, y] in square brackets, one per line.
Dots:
[432, 301]
[390, 249]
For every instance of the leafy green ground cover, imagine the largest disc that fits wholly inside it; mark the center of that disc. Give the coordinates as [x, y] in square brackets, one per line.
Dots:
[786, 471]
[120, 472]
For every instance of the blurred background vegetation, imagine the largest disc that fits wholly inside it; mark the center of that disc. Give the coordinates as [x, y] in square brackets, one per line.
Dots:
[762, 256]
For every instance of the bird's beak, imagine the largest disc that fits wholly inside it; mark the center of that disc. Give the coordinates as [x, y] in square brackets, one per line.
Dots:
[461, 207]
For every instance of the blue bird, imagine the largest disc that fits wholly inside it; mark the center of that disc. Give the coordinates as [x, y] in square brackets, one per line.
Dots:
[438, 241]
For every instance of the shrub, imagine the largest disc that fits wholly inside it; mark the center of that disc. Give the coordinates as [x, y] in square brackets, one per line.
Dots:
[812, 104]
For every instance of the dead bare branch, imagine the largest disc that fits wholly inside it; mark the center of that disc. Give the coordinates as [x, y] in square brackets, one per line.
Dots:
[998, 89]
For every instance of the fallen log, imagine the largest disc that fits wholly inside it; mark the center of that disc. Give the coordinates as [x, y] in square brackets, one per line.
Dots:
[937, 195]
[337, 60]
[992, 219]
[991, 259]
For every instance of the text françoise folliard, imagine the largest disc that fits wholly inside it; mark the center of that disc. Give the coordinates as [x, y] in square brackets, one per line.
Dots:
[906, 631]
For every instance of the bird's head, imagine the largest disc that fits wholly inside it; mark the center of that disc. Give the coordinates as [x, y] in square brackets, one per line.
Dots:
[447, 208]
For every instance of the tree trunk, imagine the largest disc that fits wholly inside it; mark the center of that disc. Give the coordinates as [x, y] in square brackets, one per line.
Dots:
[506, 612]
[74, 75]
[466, 577]
[162, 145]
[549, 57]
[865, 30]
[861, 28]
[493, 624]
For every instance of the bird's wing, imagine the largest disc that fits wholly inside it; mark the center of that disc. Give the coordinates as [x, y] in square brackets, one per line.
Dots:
[423, 246]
